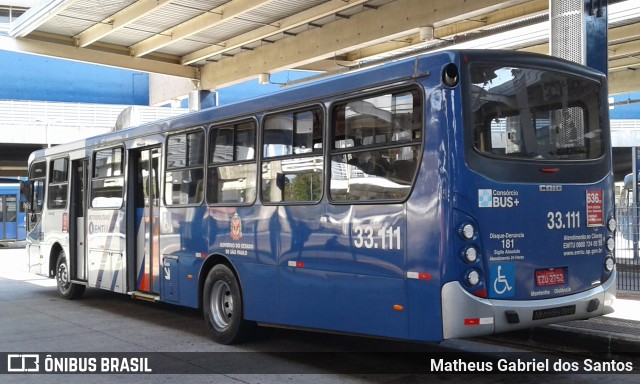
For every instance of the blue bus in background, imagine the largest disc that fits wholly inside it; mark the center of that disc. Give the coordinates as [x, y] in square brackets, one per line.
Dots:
[12, 210]
[448, 195]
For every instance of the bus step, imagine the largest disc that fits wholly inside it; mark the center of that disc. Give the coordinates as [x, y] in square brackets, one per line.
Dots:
[145, 296]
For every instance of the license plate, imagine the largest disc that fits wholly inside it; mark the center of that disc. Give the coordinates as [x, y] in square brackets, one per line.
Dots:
[547, 277]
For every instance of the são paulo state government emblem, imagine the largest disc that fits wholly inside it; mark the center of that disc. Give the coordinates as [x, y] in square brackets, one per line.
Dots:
[236, 227]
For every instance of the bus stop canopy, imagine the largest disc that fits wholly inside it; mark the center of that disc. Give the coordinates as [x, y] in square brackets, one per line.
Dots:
[220, 42]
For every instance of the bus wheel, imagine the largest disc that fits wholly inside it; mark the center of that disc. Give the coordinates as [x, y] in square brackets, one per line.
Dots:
[66, 288]
[222, 302]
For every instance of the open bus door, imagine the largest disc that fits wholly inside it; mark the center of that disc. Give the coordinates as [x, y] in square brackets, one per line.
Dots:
[35, 203]
[144, 203]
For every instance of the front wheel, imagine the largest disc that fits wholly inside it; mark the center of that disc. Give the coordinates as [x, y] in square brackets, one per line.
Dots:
[66, 288]
[223, 307]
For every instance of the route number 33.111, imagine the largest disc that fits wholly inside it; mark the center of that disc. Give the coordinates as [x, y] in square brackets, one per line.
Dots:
[365, 236]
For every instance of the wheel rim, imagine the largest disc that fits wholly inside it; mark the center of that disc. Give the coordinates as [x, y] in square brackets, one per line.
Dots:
[63, 277]
[221, 304]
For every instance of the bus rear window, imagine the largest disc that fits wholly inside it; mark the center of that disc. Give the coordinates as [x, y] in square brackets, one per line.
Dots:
[535, 114]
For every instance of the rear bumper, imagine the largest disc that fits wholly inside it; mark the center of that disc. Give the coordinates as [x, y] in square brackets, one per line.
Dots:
[465, 315]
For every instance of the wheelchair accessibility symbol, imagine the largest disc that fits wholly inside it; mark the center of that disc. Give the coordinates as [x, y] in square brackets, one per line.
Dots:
[503, 279]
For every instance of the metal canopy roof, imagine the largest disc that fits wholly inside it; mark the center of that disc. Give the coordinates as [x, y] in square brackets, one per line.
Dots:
[222, 42]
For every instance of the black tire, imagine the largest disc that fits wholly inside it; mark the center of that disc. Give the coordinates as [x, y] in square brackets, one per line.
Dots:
[66, 288]
[223, 307]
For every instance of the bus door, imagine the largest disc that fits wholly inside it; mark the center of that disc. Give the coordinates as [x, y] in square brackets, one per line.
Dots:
[36, 188]
[8, 217]
[146, 198]
[77, 223]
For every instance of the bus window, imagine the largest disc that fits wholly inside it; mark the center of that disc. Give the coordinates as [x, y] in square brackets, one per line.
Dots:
[37, 200]
[293, 165]
[232, 169]
[58, 184]
[37, 177]
[107, 185]
[185, 169]
[37, 185]
[376, 147]
[12, 208]
[535, 117]
[627, 211]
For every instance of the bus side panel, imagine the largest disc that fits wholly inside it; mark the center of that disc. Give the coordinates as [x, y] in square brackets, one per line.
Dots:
[52, 226]
[344, 302]
[183, 249]
[106, 249]
[242, 235]
[351, 276]
[425, 251]
[259, 284]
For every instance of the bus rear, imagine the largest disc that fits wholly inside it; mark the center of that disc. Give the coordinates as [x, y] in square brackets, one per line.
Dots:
[533, 211]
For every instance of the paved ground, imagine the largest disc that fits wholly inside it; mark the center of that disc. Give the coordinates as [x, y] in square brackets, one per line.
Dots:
[33, 319]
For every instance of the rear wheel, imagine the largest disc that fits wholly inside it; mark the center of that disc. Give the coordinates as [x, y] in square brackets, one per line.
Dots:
[223, 306]
[66, 288]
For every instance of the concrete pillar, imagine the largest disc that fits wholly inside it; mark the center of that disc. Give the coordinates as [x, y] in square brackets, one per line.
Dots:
[202, 99]
[579, 32]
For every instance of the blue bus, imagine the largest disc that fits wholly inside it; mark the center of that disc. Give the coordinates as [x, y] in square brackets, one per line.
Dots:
[448, 195]
[12, 210]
